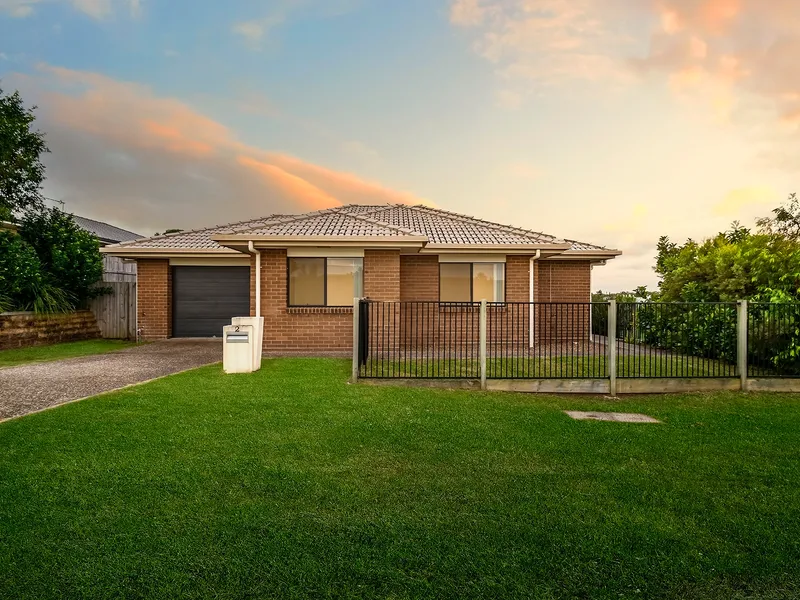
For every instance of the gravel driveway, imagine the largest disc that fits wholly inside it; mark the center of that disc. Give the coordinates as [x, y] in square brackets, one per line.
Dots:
[29, 388]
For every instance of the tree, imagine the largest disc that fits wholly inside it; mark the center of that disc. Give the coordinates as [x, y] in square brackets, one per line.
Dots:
[785, 222]
[69, 256]
[21, 171]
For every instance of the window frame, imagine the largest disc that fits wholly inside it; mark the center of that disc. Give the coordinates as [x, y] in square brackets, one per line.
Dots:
[324, 260]
[471, 282]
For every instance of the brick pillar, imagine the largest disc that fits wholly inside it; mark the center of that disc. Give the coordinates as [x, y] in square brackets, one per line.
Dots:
[382, 284]
[154, 298]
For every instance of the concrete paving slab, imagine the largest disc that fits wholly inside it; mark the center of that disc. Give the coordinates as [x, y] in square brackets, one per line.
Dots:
[611, 416]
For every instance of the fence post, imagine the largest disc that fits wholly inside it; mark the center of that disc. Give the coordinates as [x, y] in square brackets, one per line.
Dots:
[741, 338]
[611, 342]
[356, 314]
[482, 328]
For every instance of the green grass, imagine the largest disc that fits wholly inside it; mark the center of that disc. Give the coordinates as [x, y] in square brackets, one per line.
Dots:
[19, 356]
[290, 483]
[565, 367]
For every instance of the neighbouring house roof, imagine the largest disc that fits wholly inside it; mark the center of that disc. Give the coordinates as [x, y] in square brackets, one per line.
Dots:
[422, 228]
[104, 232]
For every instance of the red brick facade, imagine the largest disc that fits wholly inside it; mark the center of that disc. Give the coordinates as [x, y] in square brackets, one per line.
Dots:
[564, 281]
[154, 299]
[388, 276]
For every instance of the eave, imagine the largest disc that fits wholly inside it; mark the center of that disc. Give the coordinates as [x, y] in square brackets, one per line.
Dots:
[136, 252]
[590, 255]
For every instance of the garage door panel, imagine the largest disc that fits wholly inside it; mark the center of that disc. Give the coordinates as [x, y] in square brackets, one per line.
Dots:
[206, 298]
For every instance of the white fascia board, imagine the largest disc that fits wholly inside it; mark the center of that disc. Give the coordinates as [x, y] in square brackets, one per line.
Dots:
[472, 258]
[316, 251]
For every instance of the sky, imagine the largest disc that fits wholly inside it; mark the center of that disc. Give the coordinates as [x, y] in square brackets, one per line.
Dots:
[608, 121]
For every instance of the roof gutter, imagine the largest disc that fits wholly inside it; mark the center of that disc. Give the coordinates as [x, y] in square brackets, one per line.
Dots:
[251, 249]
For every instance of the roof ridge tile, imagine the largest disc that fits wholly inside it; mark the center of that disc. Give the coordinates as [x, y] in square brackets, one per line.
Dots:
[489, 224]
[364, 217]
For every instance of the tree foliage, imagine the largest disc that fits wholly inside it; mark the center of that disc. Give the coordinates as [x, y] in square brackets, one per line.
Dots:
[68, 254]
[738, 264]
[24, 285]
[21, 170]
[785, 220]
[733, 265]
[48, 264]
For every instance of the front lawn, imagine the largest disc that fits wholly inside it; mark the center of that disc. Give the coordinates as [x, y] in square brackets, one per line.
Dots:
[290, 483]
[19, 356]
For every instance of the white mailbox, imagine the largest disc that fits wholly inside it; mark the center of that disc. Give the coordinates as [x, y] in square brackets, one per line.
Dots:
[257, 324]
[237, 348]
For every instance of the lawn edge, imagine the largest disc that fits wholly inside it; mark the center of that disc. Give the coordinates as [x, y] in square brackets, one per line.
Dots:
[49, 360]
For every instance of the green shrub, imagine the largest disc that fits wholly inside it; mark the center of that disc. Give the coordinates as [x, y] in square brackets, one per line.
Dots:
[69, 256]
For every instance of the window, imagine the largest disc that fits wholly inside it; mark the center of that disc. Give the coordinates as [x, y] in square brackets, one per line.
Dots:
[325, 281]
[472, 282]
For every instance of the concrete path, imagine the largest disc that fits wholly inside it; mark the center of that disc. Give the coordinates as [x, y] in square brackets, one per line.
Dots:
[30, 388]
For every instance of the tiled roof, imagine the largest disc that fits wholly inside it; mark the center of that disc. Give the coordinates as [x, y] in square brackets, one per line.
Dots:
[584, 246]
[442, 227]
[331, 222]
[105, 232]
[388, 220]
[196, 239]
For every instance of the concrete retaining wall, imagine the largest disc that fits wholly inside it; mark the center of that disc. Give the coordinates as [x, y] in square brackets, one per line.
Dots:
[18, 330]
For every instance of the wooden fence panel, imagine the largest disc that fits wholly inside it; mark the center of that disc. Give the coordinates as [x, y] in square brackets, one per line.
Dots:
[116, 312]
[117, 269]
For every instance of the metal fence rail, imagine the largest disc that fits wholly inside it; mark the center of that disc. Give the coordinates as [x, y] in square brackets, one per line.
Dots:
[537, 340]
[686, 340]
[581, 343]
[773, 340]
[419, 340]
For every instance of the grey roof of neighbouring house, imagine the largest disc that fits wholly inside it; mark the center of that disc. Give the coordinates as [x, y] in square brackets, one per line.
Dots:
[437, 227]
[105, 232]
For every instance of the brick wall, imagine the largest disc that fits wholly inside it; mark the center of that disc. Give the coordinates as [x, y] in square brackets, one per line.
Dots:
[563, 281]
[419, 278]
[319, 330]
[18, 330]
[388, 276]
[154, 299]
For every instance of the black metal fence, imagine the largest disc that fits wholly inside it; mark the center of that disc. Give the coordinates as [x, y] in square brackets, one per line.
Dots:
[523, 340]
[773, 340]
[676, 340]
[537, 340]
[424, 340]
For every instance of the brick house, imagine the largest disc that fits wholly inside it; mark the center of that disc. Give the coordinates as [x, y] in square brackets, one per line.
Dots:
[304, 271]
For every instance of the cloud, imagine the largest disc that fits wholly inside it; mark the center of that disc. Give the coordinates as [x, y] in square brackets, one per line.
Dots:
[467, 13]
[545, 42]
[253, 31]
[733, 59]
[745, 200]
[97, 9]
[124, 154]
[17, 8]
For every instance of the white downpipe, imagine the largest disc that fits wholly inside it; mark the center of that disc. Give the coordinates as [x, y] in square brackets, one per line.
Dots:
[530, 306]
[252, 250]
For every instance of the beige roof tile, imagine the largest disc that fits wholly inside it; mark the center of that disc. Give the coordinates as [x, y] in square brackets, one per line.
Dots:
[330, 222]
[354, 220]
[442, 227]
